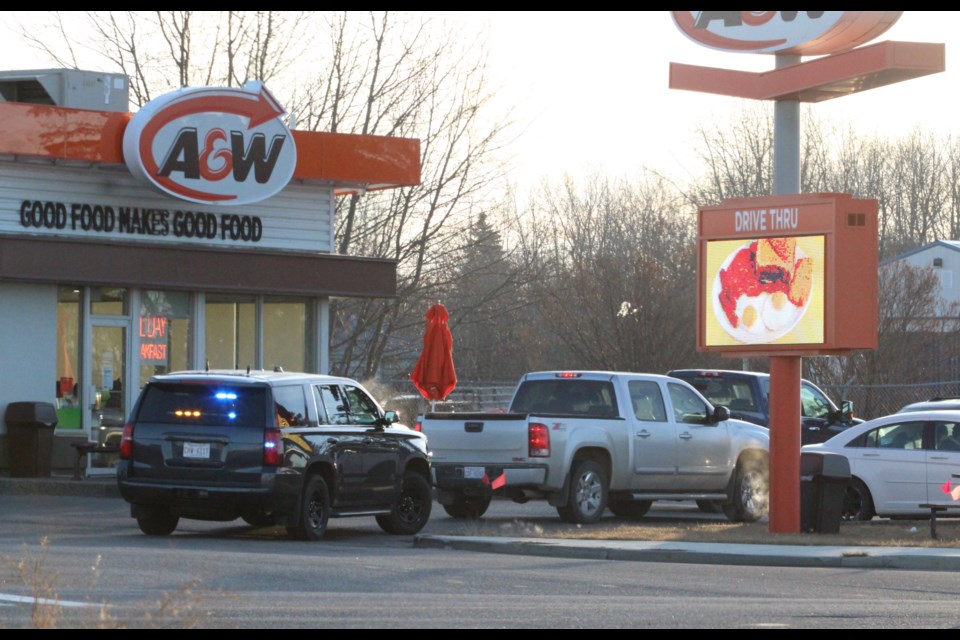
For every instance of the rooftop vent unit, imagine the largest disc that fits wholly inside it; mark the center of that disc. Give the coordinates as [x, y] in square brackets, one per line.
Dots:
[71, 88]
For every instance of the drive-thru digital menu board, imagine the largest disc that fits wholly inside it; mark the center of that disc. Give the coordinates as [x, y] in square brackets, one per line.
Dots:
[788, 274]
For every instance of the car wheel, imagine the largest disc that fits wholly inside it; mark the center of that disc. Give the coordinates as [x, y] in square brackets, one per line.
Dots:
[709, 506]
[629, 508]
[857, 502]
[314, 510]
[588, 494]
[467, 507]
[260, 518]
[750, 495]
[412, 508]
[158, 523]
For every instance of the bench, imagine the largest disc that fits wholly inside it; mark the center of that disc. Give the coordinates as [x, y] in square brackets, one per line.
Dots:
[935, 508]
[86, 448]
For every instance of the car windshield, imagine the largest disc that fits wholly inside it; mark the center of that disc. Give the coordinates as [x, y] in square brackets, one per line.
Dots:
[203, 404]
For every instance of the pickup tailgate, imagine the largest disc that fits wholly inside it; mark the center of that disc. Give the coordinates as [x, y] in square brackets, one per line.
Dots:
[476, 438]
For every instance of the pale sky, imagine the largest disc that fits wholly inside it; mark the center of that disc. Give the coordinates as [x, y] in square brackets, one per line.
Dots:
[594, 87]
[590, 89]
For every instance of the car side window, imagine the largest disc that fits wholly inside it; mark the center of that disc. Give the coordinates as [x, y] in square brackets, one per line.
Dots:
[687, 406]
[291, 406]
[331, 399]
[363, 410]
[947, 436]
[900, 436]
[647, 401]
[322, 417]
[813, 404]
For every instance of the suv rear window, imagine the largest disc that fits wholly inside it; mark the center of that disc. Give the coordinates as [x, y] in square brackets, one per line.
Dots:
[203, 404]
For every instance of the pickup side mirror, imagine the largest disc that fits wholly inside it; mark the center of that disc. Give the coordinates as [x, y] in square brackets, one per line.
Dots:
[846, 410]
[720, 413]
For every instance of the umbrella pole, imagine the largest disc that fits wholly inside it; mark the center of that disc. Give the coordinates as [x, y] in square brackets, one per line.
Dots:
[433, 406]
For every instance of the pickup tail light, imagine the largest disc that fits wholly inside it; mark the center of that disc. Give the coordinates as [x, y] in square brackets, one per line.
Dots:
[418, 427]
[272, 448]
[538, 439]
[126, 442]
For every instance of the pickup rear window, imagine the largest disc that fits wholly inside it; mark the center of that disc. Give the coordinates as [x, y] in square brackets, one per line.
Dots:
[588, 398]
[203, 404]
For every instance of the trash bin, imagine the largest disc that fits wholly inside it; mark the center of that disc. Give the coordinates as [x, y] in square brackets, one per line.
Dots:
[823, 483]
[30, 428]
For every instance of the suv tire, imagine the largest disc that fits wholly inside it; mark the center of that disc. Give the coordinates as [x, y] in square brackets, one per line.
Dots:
[314, 510]
[157, 523]
[412, 508]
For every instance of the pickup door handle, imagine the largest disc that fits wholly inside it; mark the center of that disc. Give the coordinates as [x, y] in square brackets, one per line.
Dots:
[473, 427]
[685, 435]
[643, 434]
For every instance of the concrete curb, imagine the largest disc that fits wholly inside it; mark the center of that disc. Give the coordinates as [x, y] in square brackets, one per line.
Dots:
[852, 557]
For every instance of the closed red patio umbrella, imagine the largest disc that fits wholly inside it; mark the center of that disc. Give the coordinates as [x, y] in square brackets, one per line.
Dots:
[434, 375]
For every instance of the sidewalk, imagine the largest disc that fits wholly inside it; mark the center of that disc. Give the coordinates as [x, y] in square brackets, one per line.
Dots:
[766, 555]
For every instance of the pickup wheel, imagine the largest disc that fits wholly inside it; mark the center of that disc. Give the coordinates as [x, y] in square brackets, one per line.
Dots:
[750, 495]
[588, 494]
[629, 508]
[314, 511]
[467, 507]
[412, 508]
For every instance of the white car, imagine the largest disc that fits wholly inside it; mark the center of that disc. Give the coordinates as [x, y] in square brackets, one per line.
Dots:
[898, 462]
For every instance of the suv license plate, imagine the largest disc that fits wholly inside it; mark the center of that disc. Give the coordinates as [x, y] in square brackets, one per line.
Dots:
[194, 450]
[474, 473]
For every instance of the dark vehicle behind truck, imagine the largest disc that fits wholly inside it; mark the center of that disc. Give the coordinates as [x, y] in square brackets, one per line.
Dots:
[747, 395]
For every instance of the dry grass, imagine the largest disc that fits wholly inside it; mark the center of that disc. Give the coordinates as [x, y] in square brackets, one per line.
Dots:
[181, 608]
[900, 533]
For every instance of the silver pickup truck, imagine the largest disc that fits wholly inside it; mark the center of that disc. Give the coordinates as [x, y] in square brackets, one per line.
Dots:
[588, 441]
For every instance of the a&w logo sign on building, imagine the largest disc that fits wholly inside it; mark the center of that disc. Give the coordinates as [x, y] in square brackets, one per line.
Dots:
[212, 145]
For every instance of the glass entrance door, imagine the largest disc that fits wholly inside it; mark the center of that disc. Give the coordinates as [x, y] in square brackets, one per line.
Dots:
[106, 391]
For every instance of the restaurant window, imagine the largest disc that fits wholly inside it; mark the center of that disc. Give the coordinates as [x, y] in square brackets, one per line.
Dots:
[231, 332]
[68, 358]
[165, 328]
[109, 301]
[286, 324]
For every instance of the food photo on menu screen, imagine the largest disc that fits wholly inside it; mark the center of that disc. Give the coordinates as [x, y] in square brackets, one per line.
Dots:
[765, 291]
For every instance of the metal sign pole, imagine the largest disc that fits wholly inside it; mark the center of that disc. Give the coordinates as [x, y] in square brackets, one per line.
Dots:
[785, 370]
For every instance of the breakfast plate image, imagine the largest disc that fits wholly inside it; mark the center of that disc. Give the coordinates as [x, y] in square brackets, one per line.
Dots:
[762, 290]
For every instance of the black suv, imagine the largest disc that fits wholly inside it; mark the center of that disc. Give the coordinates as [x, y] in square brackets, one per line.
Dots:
[272, 448]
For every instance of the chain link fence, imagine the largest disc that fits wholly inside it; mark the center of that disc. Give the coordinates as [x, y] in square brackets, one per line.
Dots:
[875, 400]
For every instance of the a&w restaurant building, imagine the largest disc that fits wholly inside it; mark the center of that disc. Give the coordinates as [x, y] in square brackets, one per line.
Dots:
[196, 232]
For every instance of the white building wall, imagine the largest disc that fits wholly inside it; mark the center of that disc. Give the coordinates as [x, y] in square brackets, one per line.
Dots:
[299, 218]
[28, 344]
[949, 271]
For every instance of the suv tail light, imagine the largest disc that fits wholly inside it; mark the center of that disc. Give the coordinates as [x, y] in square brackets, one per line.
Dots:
[538, 440]
[126, 442]
[272, 448]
